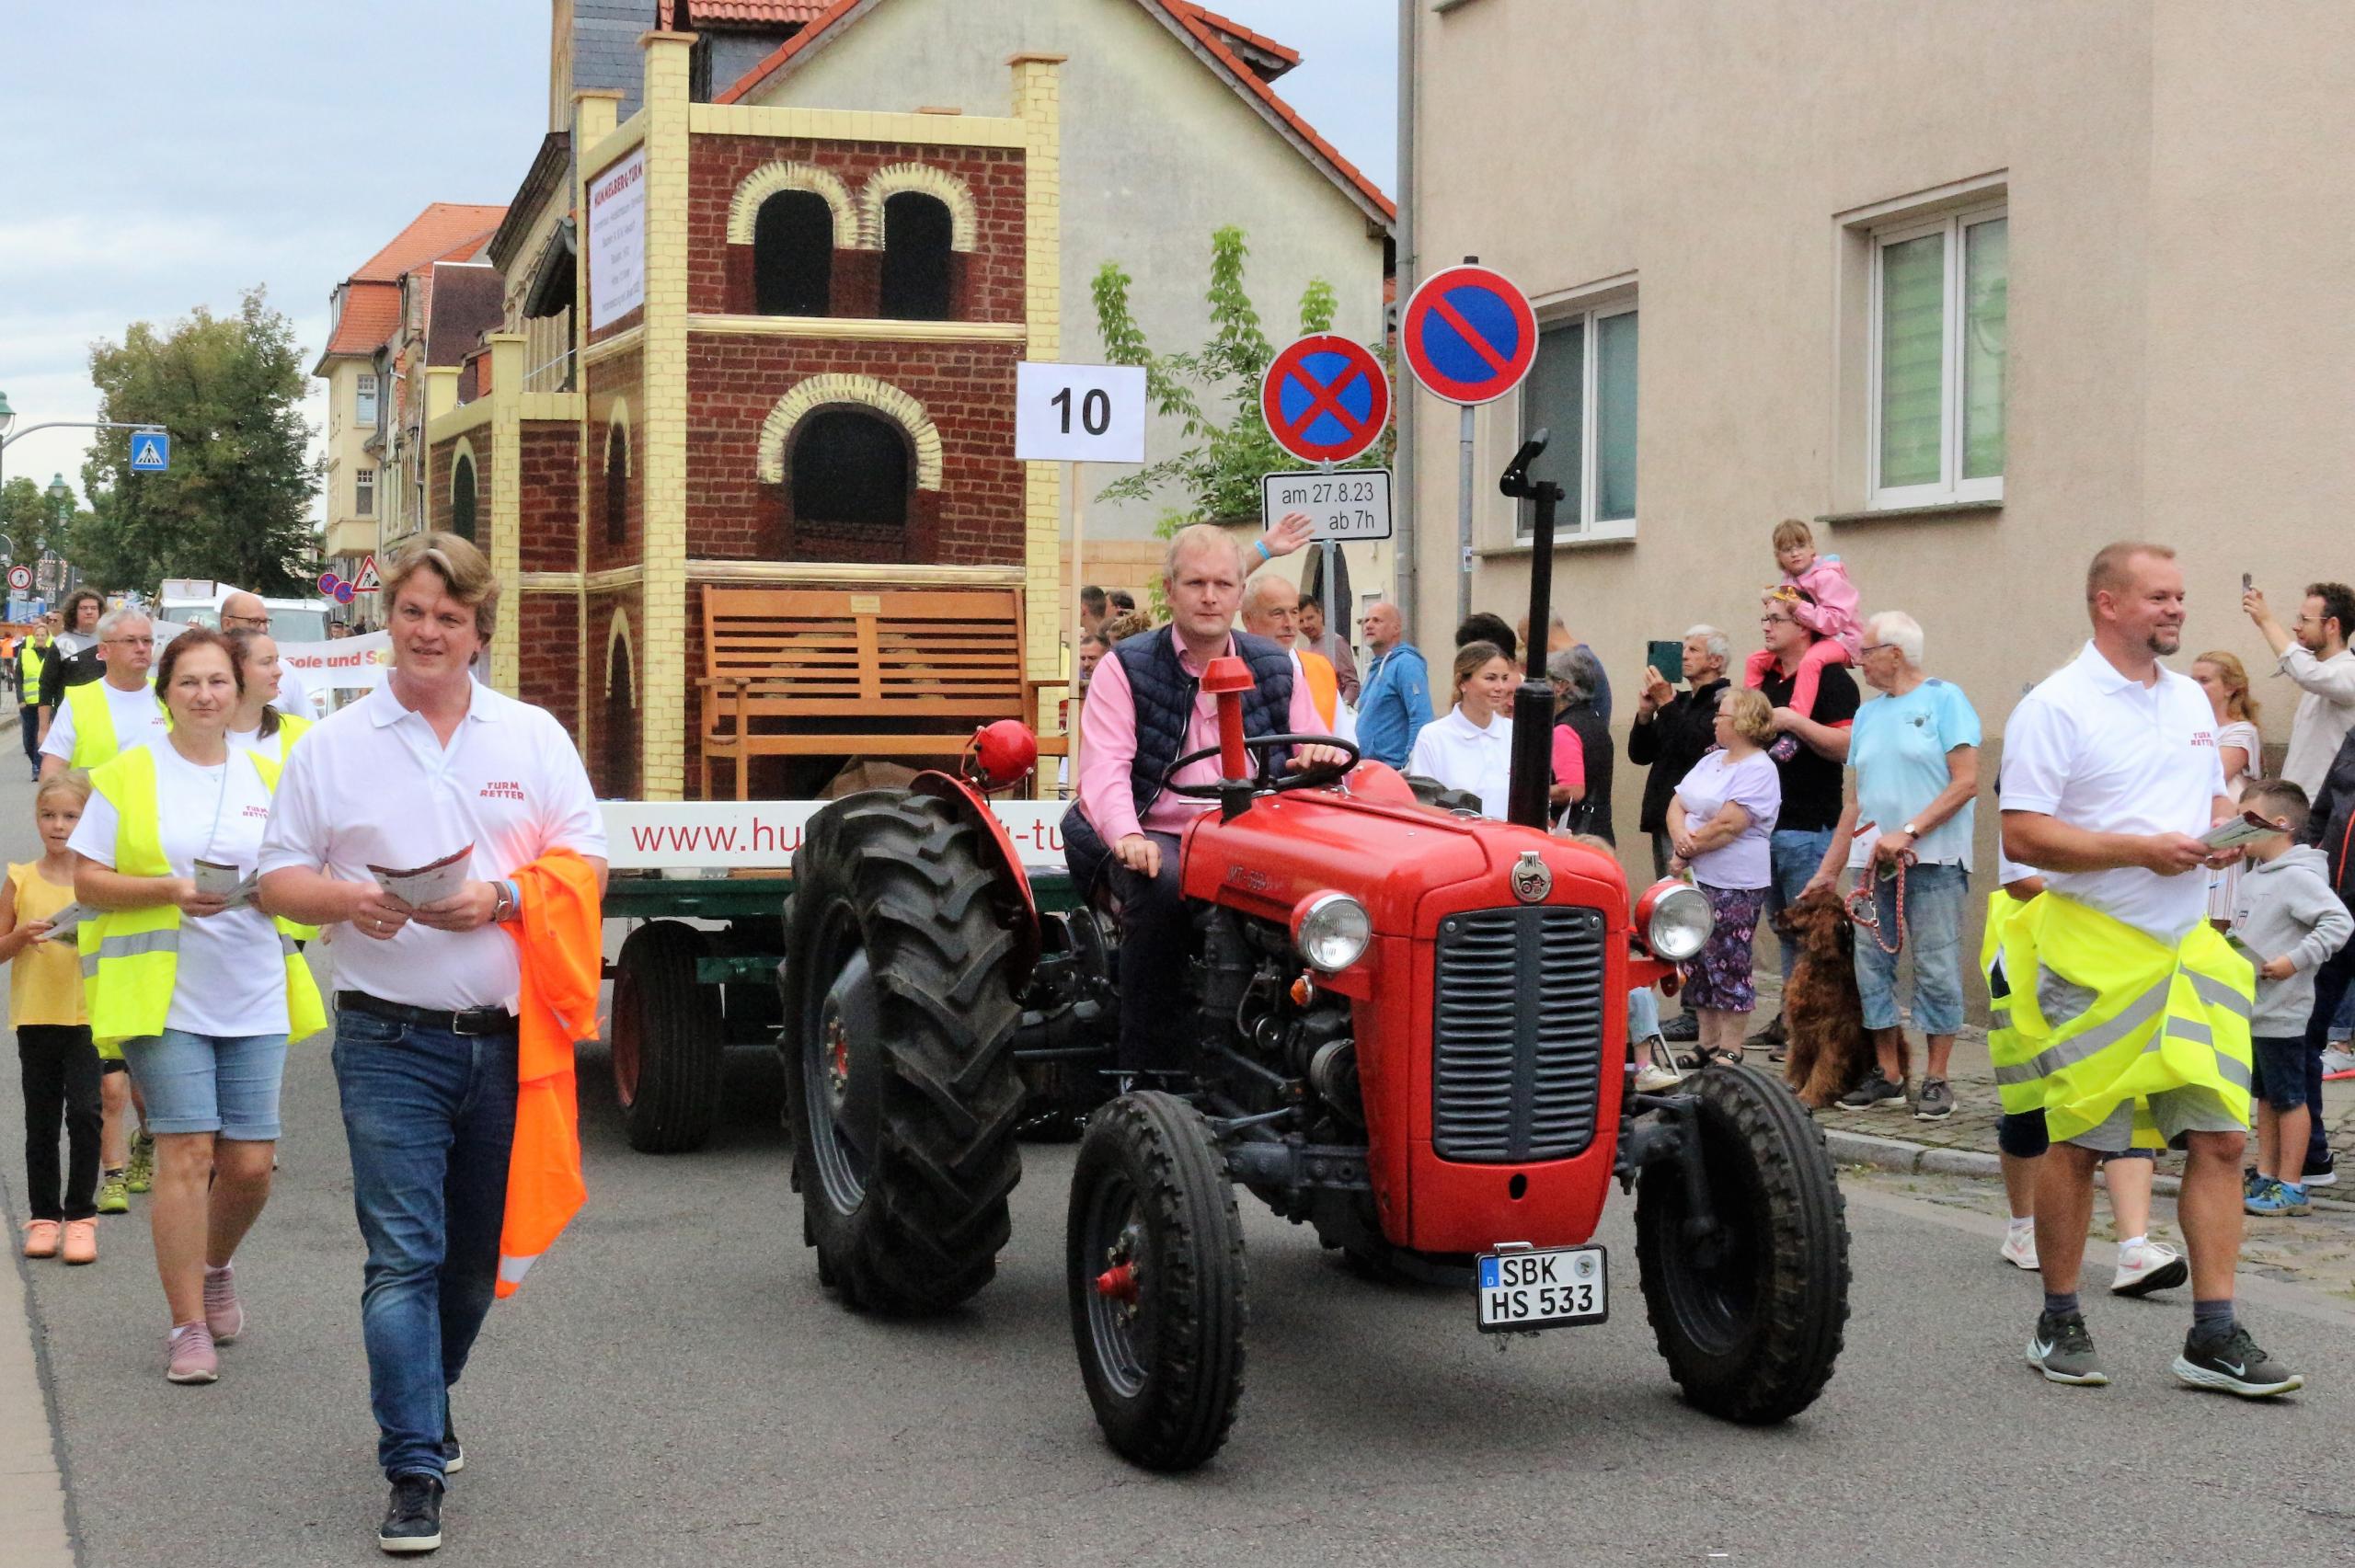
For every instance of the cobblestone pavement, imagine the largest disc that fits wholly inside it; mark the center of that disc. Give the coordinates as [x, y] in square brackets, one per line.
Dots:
[2317, 1249]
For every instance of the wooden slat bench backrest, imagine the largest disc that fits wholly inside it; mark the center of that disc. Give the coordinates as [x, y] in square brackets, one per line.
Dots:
[836, 653]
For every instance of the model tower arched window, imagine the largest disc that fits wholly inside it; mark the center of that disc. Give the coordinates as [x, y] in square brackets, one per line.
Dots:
[461, 498]
[793, 253]
[917, 230]
[850, 467]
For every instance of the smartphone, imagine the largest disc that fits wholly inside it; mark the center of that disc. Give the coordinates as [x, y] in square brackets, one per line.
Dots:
[2248, 584]
[1668, 658]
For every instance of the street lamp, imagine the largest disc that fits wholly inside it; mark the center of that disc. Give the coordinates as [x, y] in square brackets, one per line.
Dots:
[7, 414]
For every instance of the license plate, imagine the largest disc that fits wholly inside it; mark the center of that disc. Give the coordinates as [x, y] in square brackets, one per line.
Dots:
[1520, 1292]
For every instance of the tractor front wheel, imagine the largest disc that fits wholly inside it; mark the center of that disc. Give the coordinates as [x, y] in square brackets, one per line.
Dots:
[1154, 1256]
[1751, 1318]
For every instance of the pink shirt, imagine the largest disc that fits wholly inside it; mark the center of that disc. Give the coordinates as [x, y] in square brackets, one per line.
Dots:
[1107, 749]
[1834, 613]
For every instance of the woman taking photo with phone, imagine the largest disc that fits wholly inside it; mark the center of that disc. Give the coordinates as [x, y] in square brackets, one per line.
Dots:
[201, 989]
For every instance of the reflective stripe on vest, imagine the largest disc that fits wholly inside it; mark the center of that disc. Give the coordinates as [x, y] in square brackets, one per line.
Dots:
[131, 958]
[2091, 1014]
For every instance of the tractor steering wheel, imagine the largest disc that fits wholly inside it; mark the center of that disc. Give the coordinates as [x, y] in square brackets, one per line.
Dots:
[1307, 778]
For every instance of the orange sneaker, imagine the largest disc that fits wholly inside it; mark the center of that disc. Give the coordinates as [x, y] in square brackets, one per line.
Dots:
[40, 1238]
[81, 1240]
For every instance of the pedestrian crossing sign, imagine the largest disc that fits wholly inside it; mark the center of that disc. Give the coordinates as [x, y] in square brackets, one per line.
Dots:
[151, 451]
[367, 582]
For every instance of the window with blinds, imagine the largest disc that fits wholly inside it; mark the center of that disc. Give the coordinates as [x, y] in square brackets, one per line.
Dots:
[1582, 389]
[1939, 293]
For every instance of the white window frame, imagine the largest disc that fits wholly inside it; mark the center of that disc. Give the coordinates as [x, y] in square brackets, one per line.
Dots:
[364, 393]
[1577, 521]
[364, 493]
[1950, 487]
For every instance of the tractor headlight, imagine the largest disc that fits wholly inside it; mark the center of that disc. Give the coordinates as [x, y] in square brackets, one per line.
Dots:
[1330, 930]
[1675, 918]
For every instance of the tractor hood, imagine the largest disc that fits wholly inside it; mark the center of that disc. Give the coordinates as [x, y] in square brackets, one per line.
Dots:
[1390, 858]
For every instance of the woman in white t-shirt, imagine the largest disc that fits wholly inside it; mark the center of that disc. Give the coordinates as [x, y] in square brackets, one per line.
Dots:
[201, 989]
[258, 724]
[1471, 749]
[2238, 748]
[1720, 820]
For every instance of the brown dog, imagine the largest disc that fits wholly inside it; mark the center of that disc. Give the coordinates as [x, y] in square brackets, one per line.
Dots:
[1824, 1019]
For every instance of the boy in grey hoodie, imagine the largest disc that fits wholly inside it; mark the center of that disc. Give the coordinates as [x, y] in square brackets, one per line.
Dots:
[2289, 921]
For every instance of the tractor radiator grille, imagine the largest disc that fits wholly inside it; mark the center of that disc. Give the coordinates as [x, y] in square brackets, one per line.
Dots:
[1517, 1034]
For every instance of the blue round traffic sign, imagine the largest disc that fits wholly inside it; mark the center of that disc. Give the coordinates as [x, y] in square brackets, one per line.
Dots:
[1469, 334]
[1326, 398]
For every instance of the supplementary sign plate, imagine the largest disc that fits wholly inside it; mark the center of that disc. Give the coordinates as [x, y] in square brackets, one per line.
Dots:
[1079, 413]
[1517, 1292]
[1469, 334]
[1346, 504]
[1326, 399]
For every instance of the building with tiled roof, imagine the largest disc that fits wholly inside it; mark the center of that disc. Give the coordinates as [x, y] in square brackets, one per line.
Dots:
[365, 317]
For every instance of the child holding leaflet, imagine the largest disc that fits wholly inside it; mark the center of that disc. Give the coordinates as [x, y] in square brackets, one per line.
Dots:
[60, 1064]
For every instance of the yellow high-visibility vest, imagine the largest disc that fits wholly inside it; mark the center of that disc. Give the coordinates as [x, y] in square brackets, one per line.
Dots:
[94, 741]
[34, 665]
[131, 958]
[2091, 1014]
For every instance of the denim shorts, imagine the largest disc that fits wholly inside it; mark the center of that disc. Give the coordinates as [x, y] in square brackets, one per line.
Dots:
[2279, 1079]
[221, 1084]
[1934, 898]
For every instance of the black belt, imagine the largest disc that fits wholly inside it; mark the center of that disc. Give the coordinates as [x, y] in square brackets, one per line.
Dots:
[474, 1021]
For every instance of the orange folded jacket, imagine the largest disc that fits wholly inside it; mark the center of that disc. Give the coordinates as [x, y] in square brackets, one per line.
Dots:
[561, 945]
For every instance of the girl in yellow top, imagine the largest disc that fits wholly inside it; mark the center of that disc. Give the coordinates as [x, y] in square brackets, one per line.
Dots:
[258, 724]
[61, 1065]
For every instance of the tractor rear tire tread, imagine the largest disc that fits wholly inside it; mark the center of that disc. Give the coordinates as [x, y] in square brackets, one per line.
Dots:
[1792, 1351]
[926, 1235]
[680, 1038]
[1182, 1415]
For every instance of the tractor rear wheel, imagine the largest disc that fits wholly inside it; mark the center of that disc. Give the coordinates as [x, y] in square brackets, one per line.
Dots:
[1155, 1273]
[1750, 1322]
[900, 1082]
[668, 1041]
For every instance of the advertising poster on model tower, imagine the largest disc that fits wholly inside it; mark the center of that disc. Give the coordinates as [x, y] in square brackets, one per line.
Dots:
[617, 240]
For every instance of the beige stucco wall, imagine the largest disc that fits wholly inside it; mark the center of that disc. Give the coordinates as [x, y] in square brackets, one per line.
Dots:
[2179, 357]
[347, 531]
[1157, 152]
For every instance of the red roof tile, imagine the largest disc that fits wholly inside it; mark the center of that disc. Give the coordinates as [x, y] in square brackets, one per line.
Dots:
[447, 231]
[750, 13]
[1206, 29]
[371, 311]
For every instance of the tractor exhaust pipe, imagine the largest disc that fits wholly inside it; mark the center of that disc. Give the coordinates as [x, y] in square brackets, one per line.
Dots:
[1533, 704]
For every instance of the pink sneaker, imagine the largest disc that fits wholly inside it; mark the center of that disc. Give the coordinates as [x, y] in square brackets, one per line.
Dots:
[193, 1359]
[40, 1238]
[81, 1240]
[224, 1315]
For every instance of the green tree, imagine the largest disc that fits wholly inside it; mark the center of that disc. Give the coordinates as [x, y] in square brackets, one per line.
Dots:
[236, 502]
[31, 521]
[1213, 392]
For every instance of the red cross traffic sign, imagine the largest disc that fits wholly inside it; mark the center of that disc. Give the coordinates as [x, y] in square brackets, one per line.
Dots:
[1469, 334]
[1326, 398]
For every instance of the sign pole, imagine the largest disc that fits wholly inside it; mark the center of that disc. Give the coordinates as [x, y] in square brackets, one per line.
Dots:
[1078, 617]
[1464, 433]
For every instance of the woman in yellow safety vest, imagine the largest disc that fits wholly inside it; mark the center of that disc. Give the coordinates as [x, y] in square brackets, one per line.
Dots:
[258, 727]
[201, 989]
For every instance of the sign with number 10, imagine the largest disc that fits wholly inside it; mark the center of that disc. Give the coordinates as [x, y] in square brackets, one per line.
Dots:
[1079, 413]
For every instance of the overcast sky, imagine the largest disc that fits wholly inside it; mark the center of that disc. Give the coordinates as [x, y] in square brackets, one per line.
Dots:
[162, 154]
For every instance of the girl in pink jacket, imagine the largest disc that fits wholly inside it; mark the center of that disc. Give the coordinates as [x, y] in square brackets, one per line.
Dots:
[1822, 599]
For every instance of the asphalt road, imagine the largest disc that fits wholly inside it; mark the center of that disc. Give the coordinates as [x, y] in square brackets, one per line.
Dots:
[672, 1387]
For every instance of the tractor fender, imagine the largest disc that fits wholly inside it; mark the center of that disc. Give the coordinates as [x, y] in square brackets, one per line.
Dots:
[1016, 907]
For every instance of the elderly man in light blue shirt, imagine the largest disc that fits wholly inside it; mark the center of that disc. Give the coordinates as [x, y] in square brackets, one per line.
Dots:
[1396, 695]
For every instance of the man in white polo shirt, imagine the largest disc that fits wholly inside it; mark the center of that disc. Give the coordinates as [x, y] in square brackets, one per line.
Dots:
[427, 765]
[2113, 995]
[114, 713]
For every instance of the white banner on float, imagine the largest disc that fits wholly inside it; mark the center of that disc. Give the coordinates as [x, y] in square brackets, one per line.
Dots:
[351, 663]
[690, 835]
[617, 239]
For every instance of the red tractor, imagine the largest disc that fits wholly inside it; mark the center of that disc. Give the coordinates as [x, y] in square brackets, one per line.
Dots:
[1409, 1032]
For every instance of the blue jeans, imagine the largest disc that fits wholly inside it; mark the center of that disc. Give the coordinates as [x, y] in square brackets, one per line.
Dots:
[1643, 1014]
[431, 1117]
[1794, 856]
[1933, 896]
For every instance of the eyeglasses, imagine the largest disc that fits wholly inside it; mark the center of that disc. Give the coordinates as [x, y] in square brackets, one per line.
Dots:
[129, 642]
[1873, 647]
[258, 622]
[1777, 621]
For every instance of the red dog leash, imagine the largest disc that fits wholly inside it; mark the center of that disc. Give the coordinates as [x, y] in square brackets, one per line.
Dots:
[1864, 907]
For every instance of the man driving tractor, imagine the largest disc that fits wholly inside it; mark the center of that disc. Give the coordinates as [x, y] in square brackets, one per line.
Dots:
[1145, 708]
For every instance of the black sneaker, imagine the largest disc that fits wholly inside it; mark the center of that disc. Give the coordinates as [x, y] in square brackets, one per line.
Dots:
[2232, 1363]
[2325, 1175]
[453, 1458]
[1770, 1036]
[2063, 1351]
[413, 1517]
[1935, 1103]
[1681, 1030]
[1874, 1092]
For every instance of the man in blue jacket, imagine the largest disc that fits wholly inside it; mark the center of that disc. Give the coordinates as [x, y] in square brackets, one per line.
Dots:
[1397, 693]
